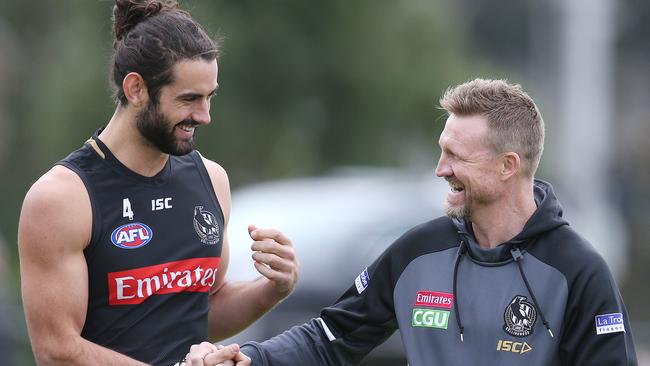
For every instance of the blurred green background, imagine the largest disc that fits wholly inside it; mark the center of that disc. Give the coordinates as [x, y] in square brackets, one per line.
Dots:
[306, 86]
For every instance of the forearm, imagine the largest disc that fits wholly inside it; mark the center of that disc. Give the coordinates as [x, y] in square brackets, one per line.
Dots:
[79, 351]
[236, 305]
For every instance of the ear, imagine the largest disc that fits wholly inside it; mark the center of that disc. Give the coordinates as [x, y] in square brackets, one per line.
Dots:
[135, 89]
[510, 165]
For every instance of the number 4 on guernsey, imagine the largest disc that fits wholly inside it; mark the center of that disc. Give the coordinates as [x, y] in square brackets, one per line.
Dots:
[126, 209]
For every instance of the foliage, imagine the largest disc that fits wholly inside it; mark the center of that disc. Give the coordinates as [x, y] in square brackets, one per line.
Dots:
[304, 86]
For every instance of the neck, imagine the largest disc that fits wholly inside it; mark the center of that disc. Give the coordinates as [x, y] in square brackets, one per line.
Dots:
[502, 220]
[129, 146]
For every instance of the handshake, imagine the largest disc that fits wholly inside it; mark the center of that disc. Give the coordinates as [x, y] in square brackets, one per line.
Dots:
[208, 354]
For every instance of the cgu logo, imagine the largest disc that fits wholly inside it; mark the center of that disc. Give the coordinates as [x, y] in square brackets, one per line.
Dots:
[515, 347]
[131, 236]
[430, 318]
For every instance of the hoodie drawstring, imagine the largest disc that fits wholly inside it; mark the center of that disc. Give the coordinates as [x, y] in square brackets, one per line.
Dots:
[461, 252]
[516, 255]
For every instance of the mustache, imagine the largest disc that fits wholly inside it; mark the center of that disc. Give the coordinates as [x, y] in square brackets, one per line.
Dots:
[452, 180]
[191, 122]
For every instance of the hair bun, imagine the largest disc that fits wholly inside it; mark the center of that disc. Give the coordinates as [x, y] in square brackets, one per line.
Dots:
[128, 13]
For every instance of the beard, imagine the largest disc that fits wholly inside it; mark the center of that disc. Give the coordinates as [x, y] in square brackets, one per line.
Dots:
[482, 194]
[158, 130]
[458, 212]
[455, 210]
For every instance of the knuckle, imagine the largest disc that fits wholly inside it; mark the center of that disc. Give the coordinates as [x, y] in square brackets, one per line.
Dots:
[291, 255]
[275, 262]
[195, 358]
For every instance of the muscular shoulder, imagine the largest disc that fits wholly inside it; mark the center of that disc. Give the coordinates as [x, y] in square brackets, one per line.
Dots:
[216, 171]
[56, 206]
[220, 182]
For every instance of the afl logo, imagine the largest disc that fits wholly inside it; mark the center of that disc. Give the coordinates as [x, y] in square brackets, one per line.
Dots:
[131, 236]
[205, 225]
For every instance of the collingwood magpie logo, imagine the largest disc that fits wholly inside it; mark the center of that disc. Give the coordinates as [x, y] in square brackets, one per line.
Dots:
[206, 226]
[520, 317]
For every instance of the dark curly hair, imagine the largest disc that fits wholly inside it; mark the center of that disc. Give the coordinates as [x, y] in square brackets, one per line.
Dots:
[150, 37]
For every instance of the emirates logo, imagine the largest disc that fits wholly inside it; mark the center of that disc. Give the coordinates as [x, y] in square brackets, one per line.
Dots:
[134, 286]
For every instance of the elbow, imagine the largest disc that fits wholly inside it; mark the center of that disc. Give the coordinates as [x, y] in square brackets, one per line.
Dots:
[54, 353]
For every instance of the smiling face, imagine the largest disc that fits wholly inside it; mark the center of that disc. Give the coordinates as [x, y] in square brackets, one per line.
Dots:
[469, 165]
[170, 122]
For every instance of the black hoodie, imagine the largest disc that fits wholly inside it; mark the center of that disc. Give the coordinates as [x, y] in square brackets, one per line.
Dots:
[543, 298]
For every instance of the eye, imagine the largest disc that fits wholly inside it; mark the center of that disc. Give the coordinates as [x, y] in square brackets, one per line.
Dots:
[189, 99]
[449, 154]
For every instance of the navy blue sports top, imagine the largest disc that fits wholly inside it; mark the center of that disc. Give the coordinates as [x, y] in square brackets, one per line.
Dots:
[154, 253]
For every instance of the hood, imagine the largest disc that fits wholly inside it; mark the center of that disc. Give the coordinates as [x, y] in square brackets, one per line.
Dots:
[547, 217]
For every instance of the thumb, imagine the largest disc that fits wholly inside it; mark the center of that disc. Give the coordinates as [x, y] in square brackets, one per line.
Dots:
[224, 354]
[242, 359]
[251, 229]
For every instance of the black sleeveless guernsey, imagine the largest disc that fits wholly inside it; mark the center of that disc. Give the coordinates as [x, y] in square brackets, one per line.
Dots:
[154, 253]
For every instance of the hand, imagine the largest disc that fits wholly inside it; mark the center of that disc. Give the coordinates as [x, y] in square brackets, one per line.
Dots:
[240, 358]
[275, 258]
[208, 354]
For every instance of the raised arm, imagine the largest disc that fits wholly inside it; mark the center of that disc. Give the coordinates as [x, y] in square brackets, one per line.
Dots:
[55, 227]
[232, 310]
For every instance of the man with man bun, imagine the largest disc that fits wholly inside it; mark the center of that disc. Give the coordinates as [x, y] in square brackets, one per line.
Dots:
[123, 244]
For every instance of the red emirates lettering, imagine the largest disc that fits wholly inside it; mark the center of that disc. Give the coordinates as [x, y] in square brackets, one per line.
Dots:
[434, 299]
[136, 285]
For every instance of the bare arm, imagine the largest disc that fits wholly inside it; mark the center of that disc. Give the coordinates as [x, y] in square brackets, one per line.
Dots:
[55, 227]
[232, 308]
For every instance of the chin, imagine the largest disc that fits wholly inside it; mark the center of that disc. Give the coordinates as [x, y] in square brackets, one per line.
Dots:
[456, 212]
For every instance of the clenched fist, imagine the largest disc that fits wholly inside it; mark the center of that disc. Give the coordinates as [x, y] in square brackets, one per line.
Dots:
[275, 258]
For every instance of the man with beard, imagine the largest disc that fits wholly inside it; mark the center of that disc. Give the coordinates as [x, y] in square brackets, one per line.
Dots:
[501, 280]
[123, 244]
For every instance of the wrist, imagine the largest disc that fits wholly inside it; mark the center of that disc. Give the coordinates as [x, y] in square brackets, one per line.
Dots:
[271, 290]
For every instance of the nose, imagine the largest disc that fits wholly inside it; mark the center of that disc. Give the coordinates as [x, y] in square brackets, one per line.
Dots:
[443, 169]
[202, 112]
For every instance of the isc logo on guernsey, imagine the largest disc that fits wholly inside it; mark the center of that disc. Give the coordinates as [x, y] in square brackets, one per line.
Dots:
[131, 236]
